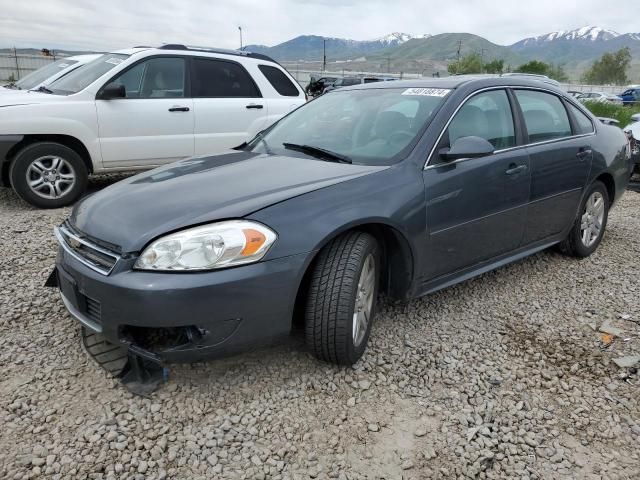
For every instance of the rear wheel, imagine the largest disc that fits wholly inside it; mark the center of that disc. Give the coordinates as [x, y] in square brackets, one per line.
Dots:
[48, 175]
[588, 229]
[341, 298]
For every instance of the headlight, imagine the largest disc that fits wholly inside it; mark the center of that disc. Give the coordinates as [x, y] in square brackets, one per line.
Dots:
[218, 245]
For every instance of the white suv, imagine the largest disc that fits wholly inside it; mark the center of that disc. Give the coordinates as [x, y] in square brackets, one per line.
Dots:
[136, 109]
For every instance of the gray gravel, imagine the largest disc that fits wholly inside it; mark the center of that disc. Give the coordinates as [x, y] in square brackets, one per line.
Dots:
[505, 376]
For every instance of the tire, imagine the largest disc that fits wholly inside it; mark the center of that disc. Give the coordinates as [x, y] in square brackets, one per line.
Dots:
[58, 173]
[332, 296]
[575, 244]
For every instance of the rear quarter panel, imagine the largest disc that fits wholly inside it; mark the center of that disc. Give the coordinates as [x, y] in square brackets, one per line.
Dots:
[610, 155]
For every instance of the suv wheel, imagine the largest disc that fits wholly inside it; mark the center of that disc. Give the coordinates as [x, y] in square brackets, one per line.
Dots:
[588, 229]
[48, 175]
[341, 300]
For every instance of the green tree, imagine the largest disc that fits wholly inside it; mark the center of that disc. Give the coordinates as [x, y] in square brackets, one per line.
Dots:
[471, 63]
[610, 68]
[536, 67]
[495, 66]
[540, 68]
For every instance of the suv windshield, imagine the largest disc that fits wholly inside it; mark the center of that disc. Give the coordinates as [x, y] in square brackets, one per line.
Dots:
[87, 74]
[36, 78]
[368, 127]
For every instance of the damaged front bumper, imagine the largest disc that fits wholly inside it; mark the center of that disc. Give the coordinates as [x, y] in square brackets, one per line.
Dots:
[182, 317]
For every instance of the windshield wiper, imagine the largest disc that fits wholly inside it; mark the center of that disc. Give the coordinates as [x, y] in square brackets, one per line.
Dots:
[42, 89]
[318, 152]
[12, 86]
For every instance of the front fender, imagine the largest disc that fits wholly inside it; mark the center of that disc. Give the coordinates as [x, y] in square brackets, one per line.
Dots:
[77, 119]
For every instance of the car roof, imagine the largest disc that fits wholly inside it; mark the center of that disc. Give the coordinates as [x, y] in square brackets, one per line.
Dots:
[456, 81]
[85, 58]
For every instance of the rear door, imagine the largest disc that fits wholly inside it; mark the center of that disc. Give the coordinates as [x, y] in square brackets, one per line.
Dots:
[282, 94]
[154, 123]
[229, 108]
[476, 207]
[559, 148]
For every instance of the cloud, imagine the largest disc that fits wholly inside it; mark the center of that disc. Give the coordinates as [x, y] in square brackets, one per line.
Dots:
[90, 24]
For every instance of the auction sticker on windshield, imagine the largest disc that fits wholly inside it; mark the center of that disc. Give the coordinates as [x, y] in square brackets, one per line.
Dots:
[429, 92]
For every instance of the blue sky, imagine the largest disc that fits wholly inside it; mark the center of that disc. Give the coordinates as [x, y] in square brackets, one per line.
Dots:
[90, 24]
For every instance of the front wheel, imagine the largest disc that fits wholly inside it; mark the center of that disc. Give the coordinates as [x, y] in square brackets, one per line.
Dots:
[48, 175]
[588, 229]
[341, 299]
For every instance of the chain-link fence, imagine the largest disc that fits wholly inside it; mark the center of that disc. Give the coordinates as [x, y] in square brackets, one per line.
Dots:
[14, 65]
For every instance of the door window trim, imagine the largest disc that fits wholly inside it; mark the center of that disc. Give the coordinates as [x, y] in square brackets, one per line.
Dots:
[509, 88]
[187, 78]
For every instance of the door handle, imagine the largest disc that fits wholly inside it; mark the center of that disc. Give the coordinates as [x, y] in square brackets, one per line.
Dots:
[515, 169]
[583, 153]
[179, 109]
[256, 106]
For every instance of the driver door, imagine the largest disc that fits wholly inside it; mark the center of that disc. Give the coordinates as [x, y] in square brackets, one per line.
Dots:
[154, 123]
[476, 208]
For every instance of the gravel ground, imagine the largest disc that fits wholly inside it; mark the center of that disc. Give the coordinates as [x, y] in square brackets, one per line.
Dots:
[504, 376]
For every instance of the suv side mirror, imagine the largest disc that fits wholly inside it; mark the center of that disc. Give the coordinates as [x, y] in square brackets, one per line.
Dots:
[467, 147]
[111, 91]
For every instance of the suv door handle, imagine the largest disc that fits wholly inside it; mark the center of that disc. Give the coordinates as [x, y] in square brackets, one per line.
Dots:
[583, 153]
[514, 169]
[255, 105]
[179, 109]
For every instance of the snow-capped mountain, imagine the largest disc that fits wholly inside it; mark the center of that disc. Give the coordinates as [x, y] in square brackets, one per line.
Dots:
[587, 34]
[397, 38]
[308, 47]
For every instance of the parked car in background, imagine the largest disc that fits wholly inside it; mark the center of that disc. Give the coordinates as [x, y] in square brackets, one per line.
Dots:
[600, 97]
[350, 81]
[630, 96]
[419, 185]
[136, 109]
[574, 93]
[633, 133]
[317, 86]
[48, 74]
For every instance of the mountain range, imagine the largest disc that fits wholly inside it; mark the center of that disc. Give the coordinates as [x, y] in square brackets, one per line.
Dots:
[575, 50]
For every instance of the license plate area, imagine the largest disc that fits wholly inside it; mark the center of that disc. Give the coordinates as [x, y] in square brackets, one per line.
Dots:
[69, 289]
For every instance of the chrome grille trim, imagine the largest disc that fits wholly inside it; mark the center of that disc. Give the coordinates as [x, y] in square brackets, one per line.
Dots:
[63, 234]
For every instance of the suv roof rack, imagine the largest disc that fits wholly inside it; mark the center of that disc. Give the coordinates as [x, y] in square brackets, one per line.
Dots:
[239, 53]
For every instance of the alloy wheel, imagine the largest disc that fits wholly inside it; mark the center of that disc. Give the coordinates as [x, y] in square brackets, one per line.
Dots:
[50, 177]
[364, 300]
[592, 219]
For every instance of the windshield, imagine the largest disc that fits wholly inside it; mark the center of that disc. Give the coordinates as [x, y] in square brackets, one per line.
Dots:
[87, 74]
[369, 127]
[42, 74]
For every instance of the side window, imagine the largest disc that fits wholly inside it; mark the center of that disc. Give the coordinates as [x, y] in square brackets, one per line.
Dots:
[279, 81]
[221, 79]
[544, 115]
[486, 115]
[583, 123]
[161, 77]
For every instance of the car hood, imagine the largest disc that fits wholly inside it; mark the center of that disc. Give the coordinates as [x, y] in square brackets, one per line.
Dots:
[132, 212]
[9, 98]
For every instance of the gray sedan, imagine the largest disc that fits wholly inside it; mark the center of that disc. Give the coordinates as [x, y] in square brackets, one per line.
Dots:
[402, 187]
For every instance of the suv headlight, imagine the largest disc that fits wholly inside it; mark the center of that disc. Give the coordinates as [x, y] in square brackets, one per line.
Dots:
[217, 245]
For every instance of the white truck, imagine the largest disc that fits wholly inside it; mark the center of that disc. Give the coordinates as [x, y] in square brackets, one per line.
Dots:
[136, 109]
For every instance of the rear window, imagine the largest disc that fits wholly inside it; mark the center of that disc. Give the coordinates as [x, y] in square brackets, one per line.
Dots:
[279, 81]
[583, 123]
[544, 116]
[221, 79]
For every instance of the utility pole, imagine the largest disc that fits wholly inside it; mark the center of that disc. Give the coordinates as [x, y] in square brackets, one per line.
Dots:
[240, 30]
[458, 61]
[324, 54]
[388, 64]
[15, 55]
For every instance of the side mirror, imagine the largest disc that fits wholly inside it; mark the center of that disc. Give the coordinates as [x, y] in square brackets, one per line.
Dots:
[467, 147]
[111, 91]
